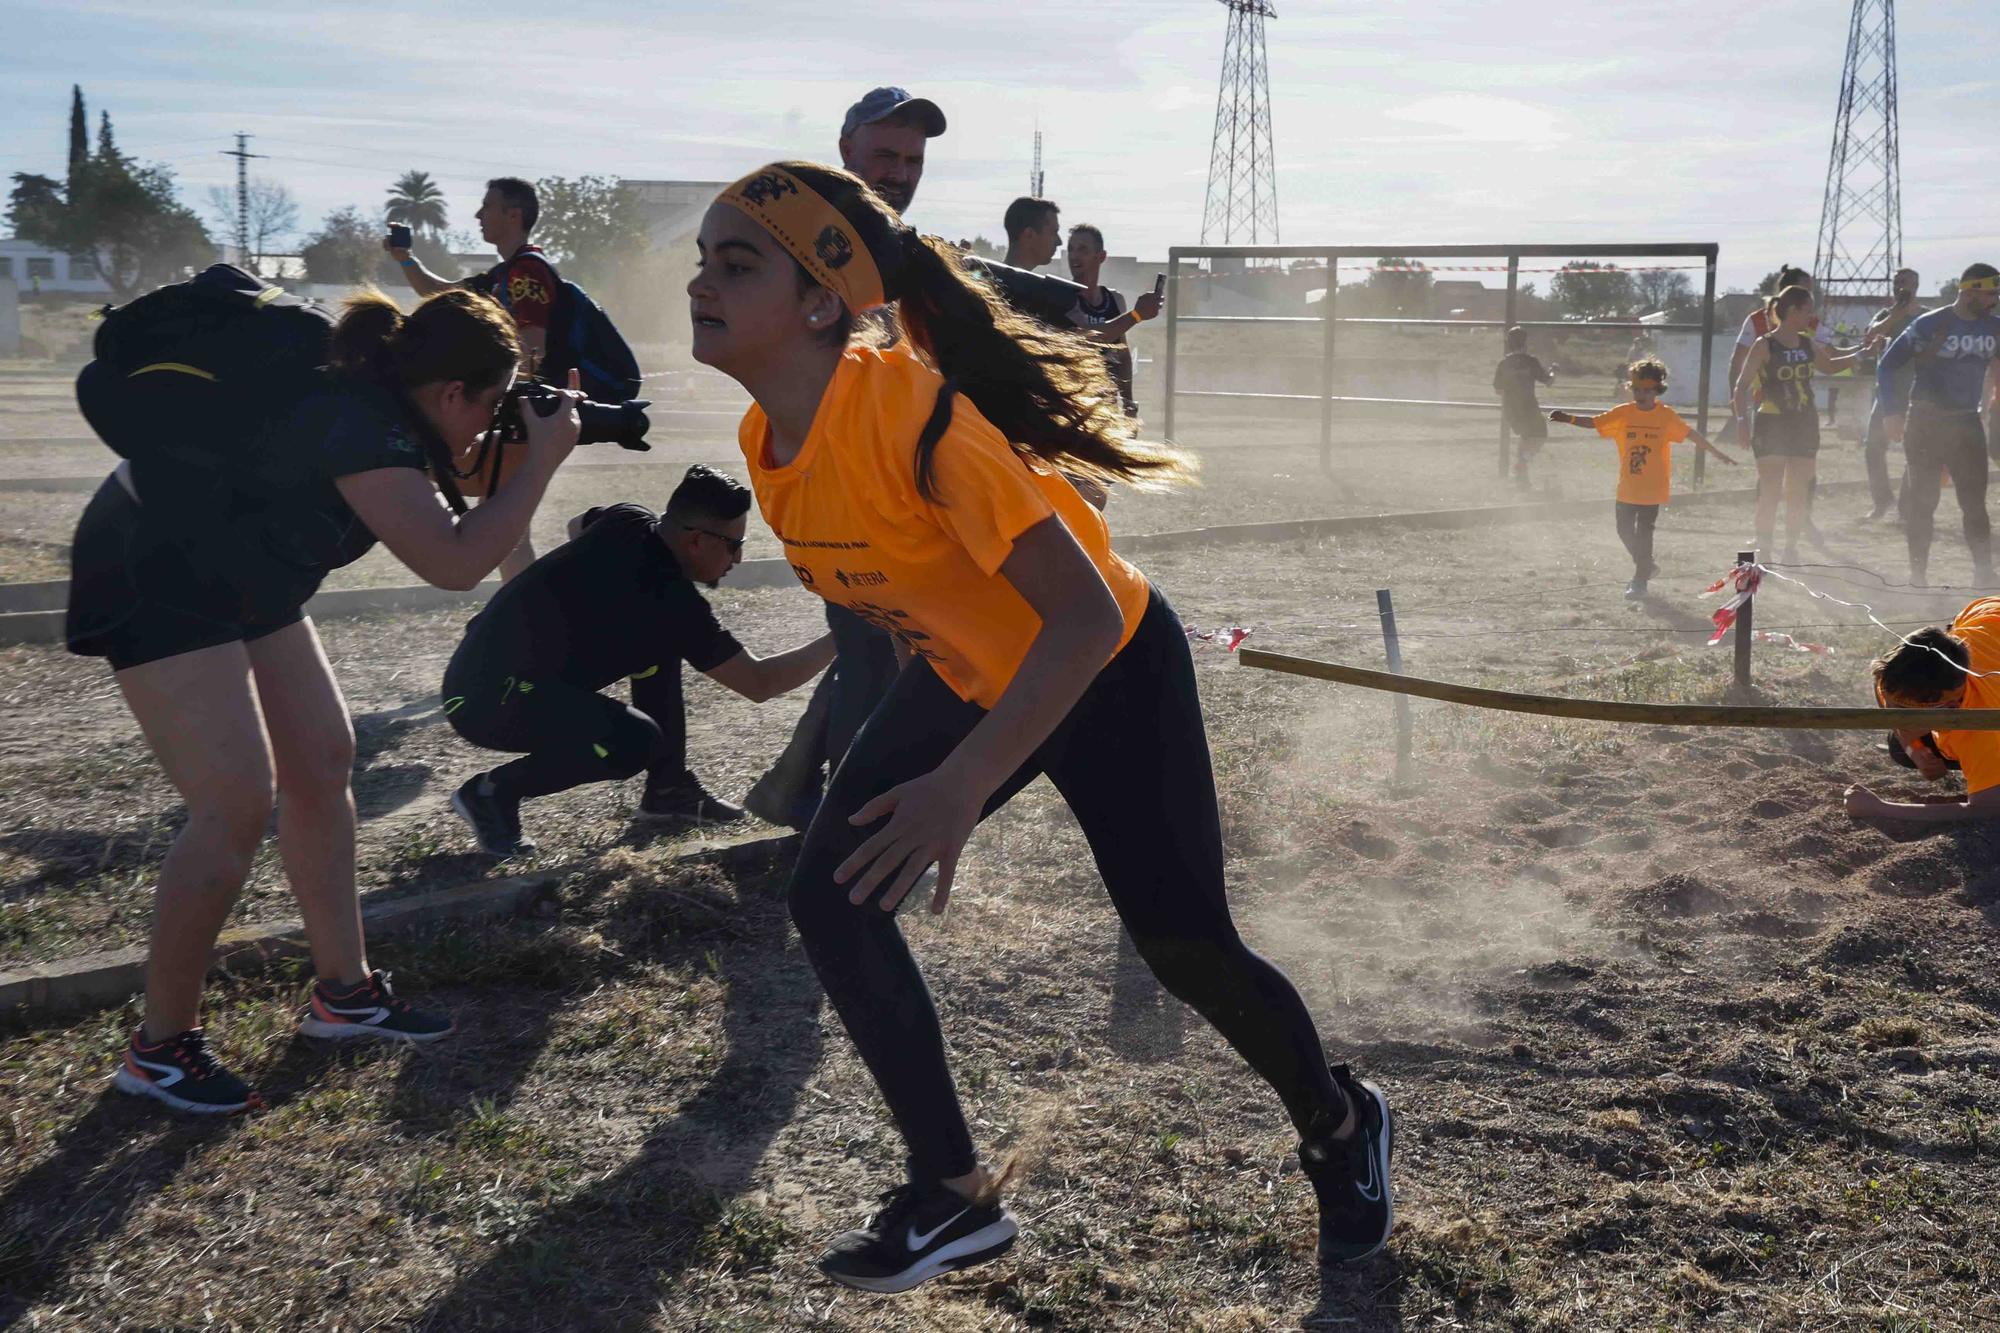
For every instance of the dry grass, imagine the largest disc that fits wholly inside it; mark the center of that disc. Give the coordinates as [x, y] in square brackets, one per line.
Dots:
[1674, 1043]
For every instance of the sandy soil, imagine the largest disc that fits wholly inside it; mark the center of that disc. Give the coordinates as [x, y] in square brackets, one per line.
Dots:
[1674, 1042]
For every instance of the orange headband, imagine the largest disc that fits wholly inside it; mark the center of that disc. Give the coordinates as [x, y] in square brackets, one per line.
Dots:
[812, 232]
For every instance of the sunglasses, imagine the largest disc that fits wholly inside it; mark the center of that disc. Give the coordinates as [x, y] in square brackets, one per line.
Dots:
[735, 544]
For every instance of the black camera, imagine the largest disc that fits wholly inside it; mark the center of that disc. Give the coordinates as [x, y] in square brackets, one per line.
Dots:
[1042, 295]
[399, 235]
[623, 424]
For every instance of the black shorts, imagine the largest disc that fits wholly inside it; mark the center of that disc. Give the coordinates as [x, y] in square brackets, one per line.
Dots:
[1785, 435]
[1526, 423]
[137, 596]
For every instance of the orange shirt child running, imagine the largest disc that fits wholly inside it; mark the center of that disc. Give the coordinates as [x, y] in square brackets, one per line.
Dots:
[1645, 432]
[1644, 438]
[857, 531]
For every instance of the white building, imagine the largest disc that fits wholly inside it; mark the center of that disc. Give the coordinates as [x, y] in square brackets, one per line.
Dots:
[36, 268]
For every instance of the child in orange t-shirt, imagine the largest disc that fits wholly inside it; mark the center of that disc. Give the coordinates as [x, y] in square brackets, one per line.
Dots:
[922, 487]
[1645, 431]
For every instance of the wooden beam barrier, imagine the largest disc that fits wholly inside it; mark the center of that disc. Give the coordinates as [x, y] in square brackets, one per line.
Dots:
[1606, 710]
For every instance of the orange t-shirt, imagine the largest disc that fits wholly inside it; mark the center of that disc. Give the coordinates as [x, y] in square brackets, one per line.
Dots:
[858, 533]
[1645, 441]
[1978, 752]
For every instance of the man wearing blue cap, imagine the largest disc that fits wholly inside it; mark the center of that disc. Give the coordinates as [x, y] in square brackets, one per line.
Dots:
[882, 141]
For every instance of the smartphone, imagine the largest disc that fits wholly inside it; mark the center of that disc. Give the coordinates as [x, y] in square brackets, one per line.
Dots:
[1159, 284]
[399, 235]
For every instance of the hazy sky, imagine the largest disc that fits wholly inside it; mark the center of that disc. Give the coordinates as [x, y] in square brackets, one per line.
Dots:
[1453, 120]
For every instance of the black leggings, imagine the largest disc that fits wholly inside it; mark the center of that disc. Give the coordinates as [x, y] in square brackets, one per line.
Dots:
[1635, 529]
[1131, 759]
[567, 735]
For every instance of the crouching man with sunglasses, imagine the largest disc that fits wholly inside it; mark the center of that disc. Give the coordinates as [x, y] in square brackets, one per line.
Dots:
[620, 599]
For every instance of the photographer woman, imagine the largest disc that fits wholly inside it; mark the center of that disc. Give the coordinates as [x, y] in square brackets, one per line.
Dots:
[195, 595]
[921, 486]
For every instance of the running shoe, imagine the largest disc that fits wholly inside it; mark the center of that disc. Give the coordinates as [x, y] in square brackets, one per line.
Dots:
[181, 1072]
[683, 800]
[369, 1008]
[1635, 590]
[793, 812]
[495, 820]
[1351, 1177]
[920, 1232]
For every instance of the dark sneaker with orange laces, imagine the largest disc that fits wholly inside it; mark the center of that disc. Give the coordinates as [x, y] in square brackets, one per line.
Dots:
[369, 1009]
[181, 1072]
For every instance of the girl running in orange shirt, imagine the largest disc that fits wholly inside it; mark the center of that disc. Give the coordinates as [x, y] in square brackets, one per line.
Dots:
[920, 486]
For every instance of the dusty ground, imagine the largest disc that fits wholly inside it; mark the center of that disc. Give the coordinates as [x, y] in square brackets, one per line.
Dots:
[1674, 1042]
[1259, 462]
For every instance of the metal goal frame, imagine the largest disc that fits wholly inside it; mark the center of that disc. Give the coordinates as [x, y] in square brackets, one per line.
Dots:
[1330, 319]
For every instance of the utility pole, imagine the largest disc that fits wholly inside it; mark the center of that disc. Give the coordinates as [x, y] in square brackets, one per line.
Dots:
[242, 154]
[1861, 221]
[1242, 171]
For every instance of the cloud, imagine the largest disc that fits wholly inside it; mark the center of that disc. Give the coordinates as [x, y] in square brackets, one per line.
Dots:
[1479, 118]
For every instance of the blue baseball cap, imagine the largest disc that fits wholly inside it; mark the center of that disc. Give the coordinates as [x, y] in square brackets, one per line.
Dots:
[883, 102]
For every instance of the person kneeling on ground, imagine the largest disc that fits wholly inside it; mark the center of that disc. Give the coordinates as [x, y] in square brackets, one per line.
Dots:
[1645, 431]
[1943, 667]
[618, 600]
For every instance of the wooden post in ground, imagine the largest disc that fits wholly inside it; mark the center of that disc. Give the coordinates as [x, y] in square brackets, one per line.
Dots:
[1745, 625]
[1394, 648]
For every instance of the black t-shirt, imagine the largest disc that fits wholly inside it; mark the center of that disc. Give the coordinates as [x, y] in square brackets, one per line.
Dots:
[1515, 378]
[267, 535]
[611, 603]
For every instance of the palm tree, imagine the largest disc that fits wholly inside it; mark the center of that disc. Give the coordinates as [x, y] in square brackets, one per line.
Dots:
[416, 201]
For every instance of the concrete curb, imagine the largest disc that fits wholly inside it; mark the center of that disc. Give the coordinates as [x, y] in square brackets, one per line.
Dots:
[32, 612]
[100, 979]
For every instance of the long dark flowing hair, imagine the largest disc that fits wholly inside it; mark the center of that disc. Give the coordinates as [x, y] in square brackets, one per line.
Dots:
[1049, 392]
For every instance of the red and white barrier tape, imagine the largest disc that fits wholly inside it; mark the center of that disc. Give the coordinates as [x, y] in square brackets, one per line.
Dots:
[1742, 583]
[1225, 638]
[1502, 268]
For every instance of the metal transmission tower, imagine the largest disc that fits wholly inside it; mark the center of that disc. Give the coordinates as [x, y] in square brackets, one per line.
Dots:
[1242, 205]
[1860, 243]
[1035, 172]
[242, 154]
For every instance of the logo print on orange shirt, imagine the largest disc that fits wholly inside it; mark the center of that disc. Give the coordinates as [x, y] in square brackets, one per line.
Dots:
[526, 289]
[896, 624]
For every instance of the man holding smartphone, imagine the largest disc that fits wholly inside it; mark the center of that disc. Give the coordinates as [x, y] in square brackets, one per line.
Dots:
[523, 281]
[1100, 312]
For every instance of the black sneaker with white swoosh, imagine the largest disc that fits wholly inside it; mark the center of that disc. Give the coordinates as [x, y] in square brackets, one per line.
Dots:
[1351, 1177]
[920, 1232]
[181, 1072]
[369, 1008]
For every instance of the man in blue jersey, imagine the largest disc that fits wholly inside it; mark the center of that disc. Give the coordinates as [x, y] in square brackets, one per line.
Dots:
[1952, 350]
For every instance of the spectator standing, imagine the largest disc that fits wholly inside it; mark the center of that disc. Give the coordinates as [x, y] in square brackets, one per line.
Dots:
[1885, 328]
[523, 282]
[883, 140]
[1952, 351]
